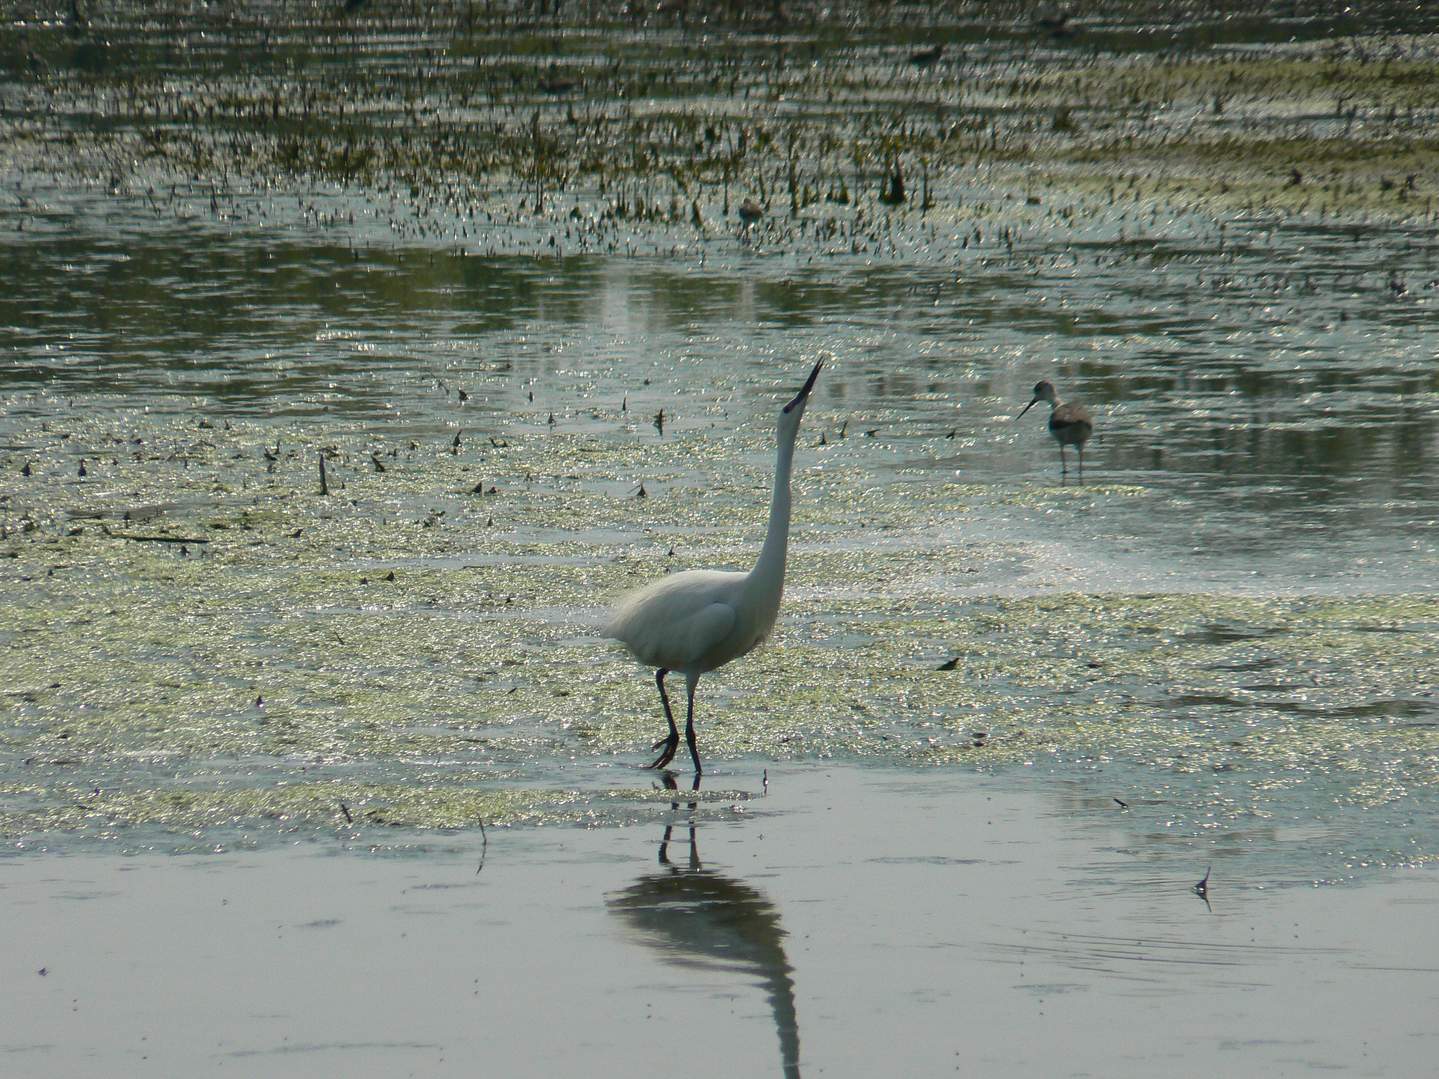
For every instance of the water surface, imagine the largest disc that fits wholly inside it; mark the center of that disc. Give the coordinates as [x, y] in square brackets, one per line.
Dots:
[1234, 610]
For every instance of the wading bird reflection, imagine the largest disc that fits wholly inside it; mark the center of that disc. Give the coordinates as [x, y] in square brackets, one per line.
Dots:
[695, 621]
[701, 919]
[1071, 425]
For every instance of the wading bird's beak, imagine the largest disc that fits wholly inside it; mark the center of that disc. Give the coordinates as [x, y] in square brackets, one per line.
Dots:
[800, 397]
[1028, 407]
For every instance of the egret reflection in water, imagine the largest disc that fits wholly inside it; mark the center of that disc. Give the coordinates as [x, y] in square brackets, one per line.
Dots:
[701, 918]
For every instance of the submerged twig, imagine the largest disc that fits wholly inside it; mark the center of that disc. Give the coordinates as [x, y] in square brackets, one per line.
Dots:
[152, 539]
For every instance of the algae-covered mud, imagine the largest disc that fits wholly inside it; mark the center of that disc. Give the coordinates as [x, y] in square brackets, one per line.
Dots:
[344, 385]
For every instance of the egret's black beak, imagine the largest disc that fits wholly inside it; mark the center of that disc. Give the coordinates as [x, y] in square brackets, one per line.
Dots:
[800, 397]
[1029, 406]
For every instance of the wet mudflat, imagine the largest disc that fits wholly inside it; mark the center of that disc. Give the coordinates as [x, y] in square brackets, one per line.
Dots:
[196, 637]
[505, 295]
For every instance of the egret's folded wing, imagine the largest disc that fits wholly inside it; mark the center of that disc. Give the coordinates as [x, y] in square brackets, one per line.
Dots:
[707, 629]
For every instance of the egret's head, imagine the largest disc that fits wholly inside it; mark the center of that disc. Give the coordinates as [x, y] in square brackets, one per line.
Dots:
[1043, 391]
[790, 416]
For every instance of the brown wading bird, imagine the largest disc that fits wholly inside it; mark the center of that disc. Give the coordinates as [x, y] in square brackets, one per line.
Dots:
[1071, 425]
[698, 620]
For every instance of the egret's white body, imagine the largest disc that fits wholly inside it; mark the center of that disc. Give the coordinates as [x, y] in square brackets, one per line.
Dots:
[709, 619]
[698, 620]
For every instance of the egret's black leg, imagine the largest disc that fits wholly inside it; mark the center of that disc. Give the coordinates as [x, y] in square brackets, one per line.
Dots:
[1063, 464]
[690, 729]
[1079, 449]
[665, 700]
[671, 741]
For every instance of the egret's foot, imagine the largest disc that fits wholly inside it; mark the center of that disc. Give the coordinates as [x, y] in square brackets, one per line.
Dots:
[671, 743]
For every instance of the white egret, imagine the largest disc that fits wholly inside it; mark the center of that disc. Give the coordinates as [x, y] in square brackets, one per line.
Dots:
[695, 621]
[1071, 425]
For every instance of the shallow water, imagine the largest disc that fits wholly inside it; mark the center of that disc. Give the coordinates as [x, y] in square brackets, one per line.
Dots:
[1232, 617]
[848, 921]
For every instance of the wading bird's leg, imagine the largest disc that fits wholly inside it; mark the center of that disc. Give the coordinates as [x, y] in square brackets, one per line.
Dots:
[1063, 464]
[1079, 449]
[671, 741]
[693, 680]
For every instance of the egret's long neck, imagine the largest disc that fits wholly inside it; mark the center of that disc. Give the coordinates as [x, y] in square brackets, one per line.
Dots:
[768, 572]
